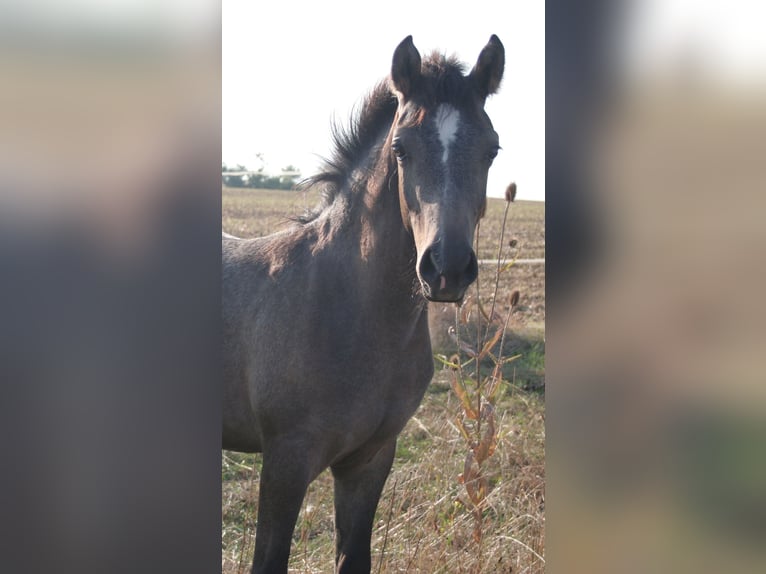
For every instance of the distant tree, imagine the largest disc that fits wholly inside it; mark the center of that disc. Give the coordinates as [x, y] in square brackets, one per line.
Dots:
[272, 183]
[261, 158]
[234, 180]
[290, 176]
[256, 179]
[287, 179]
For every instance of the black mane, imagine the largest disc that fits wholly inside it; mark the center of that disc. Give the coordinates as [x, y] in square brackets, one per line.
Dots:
[443, 81]
[351, 145]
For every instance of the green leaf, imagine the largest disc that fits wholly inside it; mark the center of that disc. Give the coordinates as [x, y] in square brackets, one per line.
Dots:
[447, 362]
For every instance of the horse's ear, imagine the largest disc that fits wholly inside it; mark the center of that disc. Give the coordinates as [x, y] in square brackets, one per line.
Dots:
[405, 68]
[488, 71]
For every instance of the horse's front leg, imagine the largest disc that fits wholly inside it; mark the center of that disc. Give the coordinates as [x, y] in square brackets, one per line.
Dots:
[357, 491]
[285, 476]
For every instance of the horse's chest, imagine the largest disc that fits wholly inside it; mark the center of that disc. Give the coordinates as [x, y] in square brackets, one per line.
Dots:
[395, 392]
[404, 396]
[377, 417]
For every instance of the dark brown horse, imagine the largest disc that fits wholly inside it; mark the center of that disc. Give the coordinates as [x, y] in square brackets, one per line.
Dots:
[326, 346]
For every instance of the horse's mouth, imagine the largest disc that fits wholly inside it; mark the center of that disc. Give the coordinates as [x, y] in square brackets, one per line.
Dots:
[458, 300]
[442, 294]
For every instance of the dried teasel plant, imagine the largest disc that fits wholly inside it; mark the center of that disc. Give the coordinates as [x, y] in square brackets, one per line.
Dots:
[477, 376]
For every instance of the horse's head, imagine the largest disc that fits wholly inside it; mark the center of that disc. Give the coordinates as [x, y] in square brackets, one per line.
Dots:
[444, 143]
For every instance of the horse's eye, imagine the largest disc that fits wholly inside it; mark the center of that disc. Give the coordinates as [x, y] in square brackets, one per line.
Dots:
[398, 150]
[492, 154]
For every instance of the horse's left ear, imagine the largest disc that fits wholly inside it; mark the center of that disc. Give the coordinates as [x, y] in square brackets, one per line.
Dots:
[488, 71]
[405, 68]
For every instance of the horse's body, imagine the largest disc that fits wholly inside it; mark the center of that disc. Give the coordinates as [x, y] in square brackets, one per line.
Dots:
[326, 345]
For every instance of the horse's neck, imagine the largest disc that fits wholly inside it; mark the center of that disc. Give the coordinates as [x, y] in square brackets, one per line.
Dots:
[382, 233]
[378, 238]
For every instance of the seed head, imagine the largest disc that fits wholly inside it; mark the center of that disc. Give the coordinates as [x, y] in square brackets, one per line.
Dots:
[510, 192]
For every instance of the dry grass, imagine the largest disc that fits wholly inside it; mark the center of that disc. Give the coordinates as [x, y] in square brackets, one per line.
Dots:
[256, 212]
[420, 526]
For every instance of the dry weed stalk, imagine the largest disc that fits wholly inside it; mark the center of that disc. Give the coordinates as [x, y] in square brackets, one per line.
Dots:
[477, 392]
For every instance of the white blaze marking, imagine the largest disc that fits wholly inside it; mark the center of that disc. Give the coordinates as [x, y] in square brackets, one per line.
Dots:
[447, 121]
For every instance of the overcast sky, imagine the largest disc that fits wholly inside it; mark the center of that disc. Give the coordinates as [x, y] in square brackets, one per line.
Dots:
[289, 67]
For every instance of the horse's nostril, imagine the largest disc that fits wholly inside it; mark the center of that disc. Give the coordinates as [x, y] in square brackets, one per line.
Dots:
[447, 275]
[432, 257]
[429, 269]
[472, 269]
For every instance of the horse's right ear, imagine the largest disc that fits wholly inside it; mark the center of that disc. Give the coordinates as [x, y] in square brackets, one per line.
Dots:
[405, 68]
[488, 71]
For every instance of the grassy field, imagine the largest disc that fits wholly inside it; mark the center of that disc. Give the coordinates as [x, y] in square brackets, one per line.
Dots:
[421, 525]
[252, 213]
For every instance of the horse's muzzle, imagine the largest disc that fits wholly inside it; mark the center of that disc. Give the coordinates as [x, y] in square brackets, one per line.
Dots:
[446, 274]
